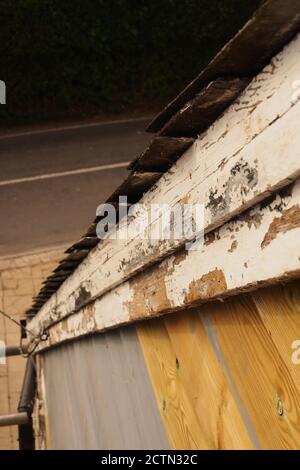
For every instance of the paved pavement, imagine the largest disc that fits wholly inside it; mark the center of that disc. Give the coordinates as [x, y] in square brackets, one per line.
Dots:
[20, 280]
[37, 210]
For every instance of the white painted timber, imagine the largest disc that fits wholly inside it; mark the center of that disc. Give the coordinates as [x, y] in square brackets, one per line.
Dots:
[260, 248]
[251, 151]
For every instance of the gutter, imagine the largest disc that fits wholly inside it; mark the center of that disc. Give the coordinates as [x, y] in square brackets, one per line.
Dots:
[13, 351]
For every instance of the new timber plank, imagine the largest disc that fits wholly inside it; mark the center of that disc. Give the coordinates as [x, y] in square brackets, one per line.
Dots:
[260, 375]
[173, 400]
[186, 375]
[279, 309]
[272, 26]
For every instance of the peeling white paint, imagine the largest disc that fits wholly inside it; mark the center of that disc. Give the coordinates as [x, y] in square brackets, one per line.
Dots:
[247, 267]
[260, 130]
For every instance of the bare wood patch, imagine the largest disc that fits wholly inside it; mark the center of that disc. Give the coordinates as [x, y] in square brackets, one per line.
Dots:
[149, 294]
[289, 220]
[208, 286]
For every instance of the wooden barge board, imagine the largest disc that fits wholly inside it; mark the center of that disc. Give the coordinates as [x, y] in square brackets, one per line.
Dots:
[161, 154]
[199, 113]
[271, 27]
[212, 100]
[260, 248]
[242, 144]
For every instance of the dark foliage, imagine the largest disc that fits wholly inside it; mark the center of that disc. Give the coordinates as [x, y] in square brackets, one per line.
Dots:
[76, 57]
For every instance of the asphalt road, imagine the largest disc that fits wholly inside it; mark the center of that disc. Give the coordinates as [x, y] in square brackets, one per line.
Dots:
[40, 211]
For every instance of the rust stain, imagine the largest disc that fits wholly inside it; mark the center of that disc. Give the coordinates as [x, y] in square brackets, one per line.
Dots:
[149, 293]
[208, 286]
[289, 220]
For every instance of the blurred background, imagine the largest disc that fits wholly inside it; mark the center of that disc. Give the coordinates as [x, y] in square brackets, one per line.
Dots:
[73, 59]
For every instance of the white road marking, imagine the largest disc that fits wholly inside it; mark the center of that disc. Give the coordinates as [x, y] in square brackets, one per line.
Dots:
[75, 127]
[79, 171]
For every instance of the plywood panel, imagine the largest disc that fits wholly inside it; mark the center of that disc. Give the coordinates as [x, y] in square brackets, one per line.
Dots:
[193, 396]
[260, 374]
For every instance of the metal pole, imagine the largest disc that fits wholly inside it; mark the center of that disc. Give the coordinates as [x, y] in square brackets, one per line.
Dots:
[14, 419]
[12, 351]
[26, 435]
[9, 351]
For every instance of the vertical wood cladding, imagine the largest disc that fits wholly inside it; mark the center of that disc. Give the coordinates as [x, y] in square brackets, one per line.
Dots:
[223, 374]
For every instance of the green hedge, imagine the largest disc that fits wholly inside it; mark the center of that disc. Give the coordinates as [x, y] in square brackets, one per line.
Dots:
[77, 57]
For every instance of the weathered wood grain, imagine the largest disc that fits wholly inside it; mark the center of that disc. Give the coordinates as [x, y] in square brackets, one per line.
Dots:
[161, 154]
[232, 260]
[239, 151]
[84, 243]
[199, 113]
[244, 179]
[135, 185]
[250, 151]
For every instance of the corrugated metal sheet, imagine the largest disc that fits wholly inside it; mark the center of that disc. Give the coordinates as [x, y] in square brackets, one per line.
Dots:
[99, 396]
